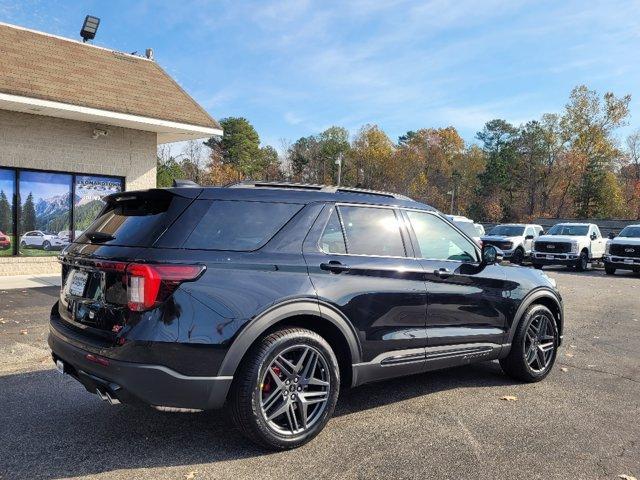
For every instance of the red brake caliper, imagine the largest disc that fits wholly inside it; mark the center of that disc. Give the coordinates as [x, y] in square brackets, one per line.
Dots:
[266, 386]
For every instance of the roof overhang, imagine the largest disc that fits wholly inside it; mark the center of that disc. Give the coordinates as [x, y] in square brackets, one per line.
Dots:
[167, 131]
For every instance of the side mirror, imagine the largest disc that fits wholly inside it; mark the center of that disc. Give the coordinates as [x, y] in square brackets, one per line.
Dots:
[529, 237]
[612, 235]
[491, 255]
[594, 236]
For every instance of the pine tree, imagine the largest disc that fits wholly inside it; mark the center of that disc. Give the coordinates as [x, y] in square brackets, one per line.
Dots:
[6, 219]
[28, 214]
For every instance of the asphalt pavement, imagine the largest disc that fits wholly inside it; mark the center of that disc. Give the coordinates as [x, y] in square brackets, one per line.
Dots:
[582, 422]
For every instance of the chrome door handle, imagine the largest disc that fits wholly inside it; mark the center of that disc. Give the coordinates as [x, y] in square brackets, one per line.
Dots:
[442, 272]
[334, 267]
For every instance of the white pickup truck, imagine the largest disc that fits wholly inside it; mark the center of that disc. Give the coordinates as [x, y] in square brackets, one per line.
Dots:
[570, 244]
[623, 252]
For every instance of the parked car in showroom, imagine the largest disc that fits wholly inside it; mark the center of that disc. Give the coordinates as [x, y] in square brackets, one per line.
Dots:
[45, 241]
[5, 241]
[623, 251]
[514, 239]
[271, 297]
[569, 244]
[468, 226]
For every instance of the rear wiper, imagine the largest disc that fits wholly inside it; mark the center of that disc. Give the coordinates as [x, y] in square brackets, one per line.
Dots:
[100, 236]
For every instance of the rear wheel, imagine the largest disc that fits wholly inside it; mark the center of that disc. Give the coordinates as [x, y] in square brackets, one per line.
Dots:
[534, 347]
[286, 389]
[609, 270]
[46, 245]
[583, 261]
[518, 256]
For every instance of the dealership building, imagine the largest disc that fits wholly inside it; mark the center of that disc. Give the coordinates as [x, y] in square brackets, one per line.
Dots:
[77, 122]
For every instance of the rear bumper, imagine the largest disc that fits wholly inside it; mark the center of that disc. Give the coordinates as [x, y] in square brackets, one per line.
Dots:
[130, 382]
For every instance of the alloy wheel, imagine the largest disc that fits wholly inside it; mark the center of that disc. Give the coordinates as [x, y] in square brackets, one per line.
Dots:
[539, 343]
[294, 390]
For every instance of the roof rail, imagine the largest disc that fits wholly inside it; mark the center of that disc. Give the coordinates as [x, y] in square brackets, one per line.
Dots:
[315, 187]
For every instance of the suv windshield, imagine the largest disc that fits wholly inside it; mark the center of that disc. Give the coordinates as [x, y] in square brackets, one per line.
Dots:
[570, 230]
[630, 232]
[507, 231]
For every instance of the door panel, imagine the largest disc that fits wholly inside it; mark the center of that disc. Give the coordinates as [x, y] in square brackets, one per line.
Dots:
[383, 297]
[467, 301]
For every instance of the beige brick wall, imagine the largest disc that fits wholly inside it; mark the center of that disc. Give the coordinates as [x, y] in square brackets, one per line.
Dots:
[47, 143]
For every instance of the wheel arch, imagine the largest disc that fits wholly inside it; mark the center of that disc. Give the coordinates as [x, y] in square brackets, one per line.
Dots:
[542, 296]
[322, 319]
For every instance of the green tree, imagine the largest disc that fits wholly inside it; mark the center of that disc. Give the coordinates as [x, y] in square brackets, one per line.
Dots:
[6, 217]
[28, 218]
[497, 184]
[167, 171]
[239, 146]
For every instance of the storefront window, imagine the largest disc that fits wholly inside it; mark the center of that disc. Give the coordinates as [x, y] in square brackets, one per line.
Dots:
[44, 212]
[7, 191]
[90, 190]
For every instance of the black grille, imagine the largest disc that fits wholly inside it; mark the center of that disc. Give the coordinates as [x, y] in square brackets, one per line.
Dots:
[625, 250]
[497, 243]
[553, 247]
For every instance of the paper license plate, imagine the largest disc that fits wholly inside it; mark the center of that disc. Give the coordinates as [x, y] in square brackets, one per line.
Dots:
[78, 282]
[550, 257]
[628, 261]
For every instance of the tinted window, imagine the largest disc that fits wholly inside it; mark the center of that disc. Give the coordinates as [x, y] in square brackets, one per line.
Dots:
[332, 240]
[372, 231]
[135, 220]
[240, 225]
[630, 232]
[438, 240]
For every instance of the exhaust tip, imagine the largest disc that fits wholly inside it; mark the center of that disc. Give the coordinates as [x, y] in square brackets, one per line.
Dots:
[106, 397]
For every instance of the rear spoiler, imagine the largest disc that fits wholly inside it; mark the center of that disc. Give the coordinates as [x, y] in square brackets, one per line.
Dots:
[187, 192]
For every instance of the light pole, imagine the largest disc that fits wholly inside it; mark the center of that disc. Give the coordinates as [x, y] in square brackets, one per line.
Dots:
[339, 163]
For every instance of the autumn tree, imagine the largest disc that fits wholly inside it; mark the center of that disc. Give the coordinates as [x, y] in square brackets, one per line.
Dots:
[589, 123]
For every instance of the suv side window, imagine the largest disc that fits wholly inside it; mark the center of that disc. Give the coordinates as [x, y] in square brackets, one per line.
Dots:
[332, 240]
[372, 231]
[438, 241]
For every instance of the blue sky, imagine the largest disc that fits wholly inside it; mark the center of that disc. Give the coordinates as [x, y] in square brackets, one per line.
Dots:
[296, 67]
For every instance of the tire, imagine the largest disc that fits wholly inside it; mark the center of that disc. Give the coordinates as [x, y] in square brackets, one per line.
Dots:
[609, 270]
[518, 256]
[251, 403]
[46, 245]
[582, 262]
[516, 364]
[23, 244]
[537, 266]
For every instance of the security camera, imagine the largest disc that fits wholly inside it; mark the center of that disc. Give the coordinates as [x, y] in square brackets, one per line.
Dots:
[99, 132]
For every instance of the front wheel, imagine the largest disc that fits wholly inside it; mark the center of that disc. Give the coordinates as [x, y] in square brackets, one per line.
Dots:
[46, 245]
[518, 256]
[534, 347]
[287, 389]
[609, 270]
[582, 262]
[537, 266]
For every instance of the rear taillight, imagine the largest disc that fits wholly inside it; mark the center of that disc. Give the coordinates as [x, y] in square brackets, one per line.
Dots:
[147, 285]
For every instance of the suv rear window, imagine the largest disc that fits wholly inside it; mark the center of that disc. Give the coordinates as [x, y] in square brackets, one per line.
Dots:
[239, 225]
[135, 220]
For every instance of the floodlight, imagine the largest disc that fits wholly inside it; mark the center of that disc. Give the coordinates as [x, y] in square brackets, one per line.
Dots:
[89, 28]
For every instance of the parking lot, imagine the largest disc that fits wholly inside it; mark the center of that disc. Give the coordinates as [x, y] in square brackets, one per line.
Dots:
[582, 422]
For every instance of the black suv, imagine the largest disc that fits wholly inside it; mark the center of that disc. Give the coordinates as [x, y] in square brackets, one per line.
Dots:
[270, 297]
